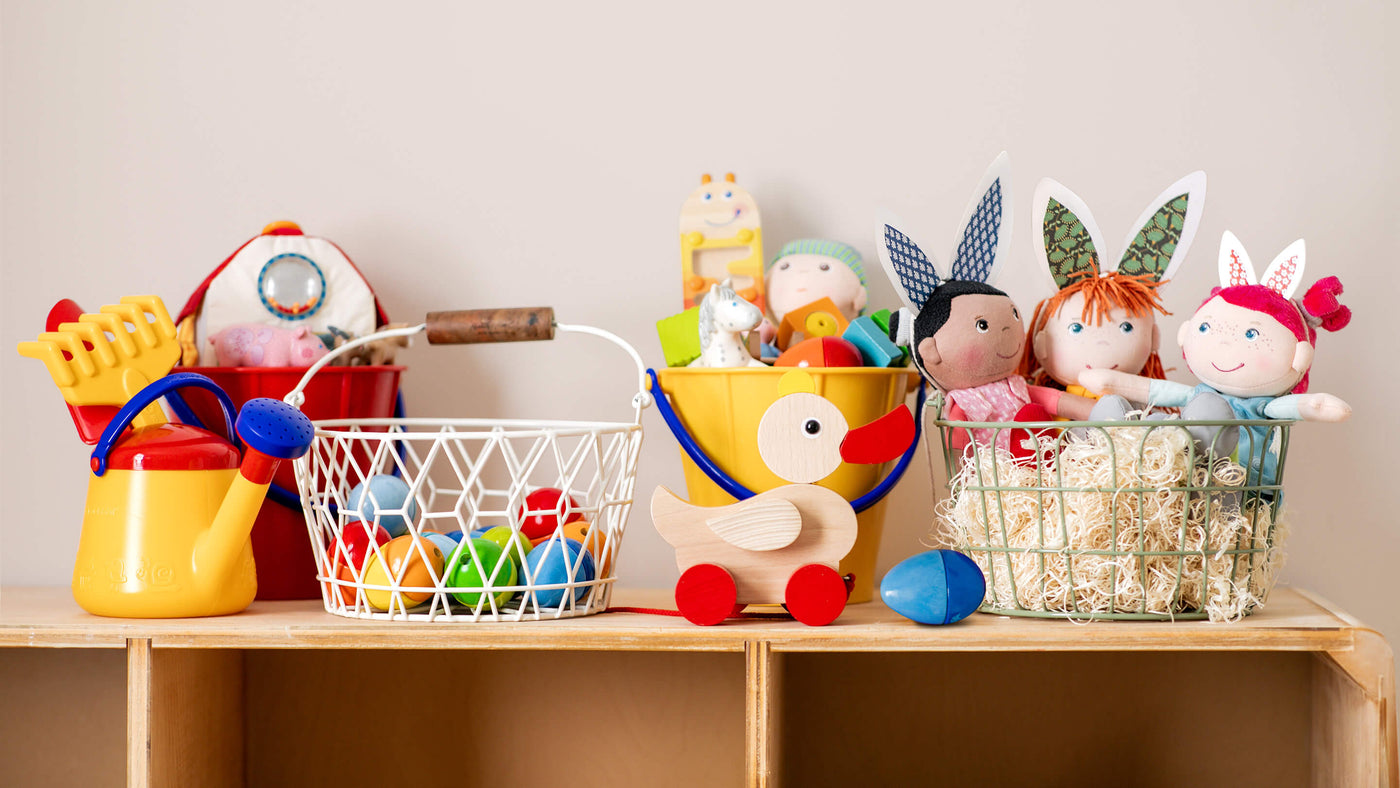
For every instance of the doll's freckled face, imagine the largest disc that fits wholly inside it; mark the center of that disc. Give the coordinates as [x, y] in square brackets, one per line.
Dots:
[1071, 343]
[1239, 351]
[799, 279]
[981, 343]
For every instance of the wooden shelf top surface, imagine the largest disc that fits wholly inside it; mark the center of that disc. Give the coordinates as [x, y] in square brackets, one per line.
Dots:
[1293, 620]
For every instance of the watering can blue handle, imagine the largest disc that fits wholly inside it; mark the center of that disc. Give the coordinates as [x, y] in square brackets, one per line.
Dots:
[739, 491]
[144, 398]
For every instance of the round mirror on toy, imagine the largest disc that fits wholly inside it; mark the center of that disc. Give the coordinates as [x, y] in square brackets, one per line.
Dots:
[292, 286]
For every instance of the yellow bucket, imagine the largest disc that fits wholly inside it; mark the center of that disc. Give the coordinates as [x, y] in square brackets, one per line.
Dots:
[721, 409]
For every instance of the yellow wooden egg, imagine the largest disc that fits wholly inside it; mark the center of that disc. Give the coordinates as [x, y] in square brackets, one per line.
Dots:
[406, 569]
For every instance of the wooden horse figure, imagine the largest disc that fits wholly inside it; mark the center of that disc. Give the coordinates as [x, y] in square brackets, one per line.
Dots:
[724, 319]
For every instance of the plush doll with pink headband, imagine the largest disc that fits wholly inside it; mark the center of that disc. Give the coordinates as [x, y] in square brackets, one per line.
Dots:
[967, 336]
[1251, 345]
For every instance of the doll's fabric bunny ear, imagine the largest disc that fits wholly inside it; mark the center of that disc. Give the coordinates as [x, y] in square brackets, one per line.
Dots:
[1235, 267]
[984, 232]
[1286, 271]
[1069, 242]
[911, 271]
[1162, 235]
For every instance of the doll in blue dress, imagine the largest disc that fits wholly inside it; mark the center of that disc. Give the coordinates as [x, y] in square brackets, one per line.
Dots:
[1251, 345]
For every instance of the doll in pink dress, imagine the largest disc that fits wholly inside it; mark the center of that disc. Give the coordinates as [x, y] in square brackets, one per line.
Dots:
[966, 336]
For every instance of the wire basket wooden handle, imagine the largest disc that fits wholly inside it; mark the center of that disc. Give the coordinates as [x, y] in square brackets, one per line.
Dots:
[478, 326]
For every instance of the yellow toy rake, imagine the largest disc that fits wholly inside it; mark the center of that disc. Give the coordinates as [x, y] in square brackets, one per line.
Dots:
[100, 360]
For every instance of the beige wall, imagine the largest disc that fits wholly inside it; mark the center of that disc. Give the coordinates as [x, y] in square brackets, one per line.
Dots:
[472, 155]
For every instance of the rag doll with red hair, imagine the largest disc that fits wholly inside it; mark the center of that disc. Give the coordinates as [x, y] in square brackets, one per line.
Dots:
[1102, 315]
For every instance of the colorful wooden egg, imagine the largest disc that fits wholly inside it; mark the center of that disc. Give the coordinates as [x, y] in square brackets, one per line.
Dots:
[593, 540]
[386, 496]
[347, 593]
[936, 587]
[518, 546]
[406, 568]
[353, 547]
[821, 352]
[540, 514]
[444, 542]
[489, 568]
[552, 562]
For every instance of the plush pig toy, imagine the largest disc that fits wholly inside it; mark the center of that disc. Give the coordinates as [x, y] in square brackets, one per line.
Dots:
[254, 345]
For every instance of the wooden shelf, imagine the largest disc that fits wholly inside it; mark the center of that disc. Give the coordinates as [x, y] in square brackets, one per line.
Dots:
[210, 701]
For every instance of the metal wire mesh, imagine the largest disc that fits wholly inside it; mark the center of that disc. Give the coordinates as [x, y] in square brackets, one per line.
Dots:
[465, 475]
[1188, 548]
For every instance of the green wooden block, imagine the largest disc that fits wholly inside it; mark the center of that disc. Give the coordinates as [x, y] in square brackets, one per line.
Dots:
[882, 319]
[680, 337]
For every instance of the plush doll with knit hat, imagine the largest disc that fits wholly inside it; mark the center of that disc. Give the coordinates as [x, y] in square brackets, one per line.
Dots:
[810, 269]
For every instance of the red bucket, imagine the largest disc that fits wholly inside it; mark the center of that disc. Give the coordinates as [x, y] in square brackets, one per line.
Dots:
[286, 564]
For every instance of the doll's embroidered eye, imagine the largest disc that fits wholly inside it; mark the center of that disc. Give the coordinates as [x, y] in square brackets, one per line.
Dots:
[1251, 334]
[784, 266]
[825, 267]
[1076, 327]
[983, 326]
[1204, 328]
[812, 427]
[707, 197]
[1015, 314]
[1125, 327]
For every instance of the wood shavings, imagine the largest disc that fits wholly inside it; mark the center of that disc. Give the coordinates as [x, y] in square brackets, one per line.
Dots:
[1125, 529]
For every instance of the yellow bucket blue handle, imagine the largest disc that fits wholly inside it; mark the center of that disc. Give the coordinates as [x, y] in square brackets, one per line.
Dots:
[739, 491]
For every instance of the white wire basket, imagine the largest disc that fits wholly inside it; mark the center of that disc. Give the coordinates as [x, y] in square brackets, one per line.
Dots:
[464, 476]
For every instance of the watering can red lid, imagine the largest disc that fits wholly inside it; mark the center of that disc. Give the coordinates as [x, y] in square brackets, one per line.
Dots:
[172, 447]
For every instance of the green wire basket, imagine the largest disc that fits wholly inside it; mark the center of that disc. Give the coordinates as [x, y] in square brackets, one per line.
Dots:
[1116, 520]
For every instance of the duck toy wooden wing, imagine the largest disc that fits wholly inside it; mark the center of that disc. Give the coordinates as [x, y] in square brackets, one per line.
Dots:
[782, 545]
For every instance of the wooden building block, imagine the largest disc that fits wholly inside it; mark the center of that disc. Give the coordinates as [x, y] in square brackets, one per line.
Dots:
[680, 337]
[874, 346]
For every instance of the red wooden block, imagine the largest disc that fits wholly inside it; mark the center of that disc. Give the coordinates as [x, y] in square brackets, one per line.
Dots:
[816, 595]
[706, 594]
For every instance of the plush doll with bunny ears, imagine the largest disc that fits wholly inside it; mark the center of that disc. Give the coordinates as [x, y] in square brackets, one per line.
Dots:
[967, 336]
[1251, 345]
[1101, 316]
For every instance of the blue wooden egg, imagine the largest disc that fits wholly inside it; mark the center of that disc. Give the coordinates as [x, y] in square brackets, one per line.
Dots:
[387, 494]
[548, 564]
[936, 587]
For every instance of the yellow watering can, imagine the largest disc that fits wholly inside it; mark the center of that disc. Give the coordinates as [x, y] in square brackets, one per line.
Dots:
[170, 507]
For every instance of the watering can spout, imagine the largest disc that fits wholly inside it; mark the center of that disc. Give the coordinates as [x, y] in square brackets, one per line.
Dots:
[272, 431]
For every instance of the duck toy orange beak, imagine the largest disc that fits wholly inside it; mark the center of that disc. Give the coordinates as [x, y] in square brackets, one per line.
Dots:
[882, 440]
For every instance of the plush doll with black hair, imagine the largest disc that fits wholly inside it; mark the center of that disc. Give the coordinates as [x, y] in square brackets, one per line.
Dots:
[966, 336]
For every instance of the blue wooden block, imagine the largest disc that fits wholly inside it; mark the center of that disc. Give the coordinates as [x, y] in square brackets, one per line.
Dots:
[936, 587]
[875, 347]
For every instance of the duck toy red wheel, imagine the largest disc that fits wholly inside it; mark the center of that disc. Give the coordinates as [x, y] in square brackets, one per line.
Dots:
[781, 546]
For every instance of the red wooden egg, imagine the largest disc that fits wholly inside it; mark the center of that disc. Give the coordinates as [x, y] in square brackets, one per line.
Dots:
[544, 505]
[353, 547]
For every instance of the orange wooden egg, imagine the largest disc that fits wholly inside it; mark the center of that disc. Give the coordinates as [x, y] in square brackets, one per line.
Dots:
[405, 569]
